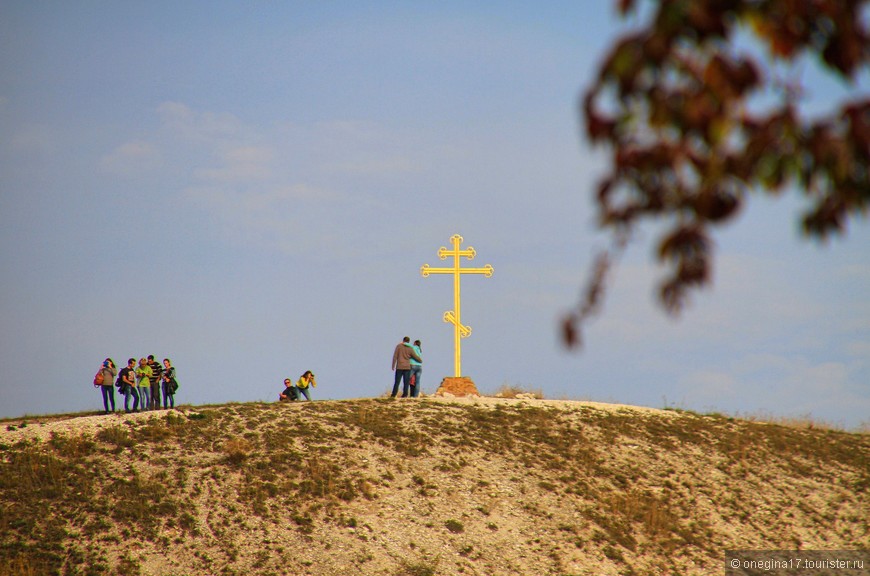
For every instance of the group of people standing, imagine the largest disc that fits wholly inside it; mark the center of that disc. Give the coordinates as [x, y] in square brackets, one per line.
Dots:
[408, 366]
[143, 383]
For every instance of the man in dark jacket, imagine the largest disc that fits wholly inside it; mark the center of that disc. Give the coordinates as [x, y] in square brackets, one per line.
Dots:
[402, 365]
[157, 371]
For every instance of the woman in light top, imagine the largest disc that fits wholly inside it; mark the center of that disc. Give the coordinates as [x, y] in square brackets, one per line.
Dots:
[107, 388]
[416, 370]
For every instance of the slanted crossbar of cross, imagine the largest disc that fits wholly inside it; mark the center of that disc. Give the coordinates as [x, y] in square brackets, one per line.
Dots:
[454, 316]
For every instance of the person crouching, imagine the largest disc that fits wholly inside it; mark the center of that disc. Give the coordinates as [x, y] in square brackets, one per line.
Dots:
[289, 393]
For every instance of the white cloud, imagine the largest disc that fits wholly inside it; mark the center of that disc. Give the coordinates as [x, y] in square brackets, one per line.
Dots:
[267, 184]
[240, 164]
[859, 349]
[179, 120]
[375, 166]
[708, 387]
[131, 158]
[32, 139]
[291, 218]
[172, 112]
[255, 205]
[780, 384]
[361, 149]
[300, 192]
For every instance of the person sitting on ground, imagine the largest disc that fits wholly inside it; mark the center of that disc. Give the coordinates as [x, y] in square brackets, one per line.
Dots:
[289, 393]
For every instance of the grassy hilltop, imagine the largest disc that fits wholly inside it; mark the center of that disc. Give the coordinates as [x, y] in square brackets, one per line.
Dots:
[420, 488]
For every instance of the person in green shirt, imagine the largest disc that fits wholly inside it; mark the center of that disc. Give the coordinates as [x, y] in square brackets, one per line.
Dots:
[143, 376]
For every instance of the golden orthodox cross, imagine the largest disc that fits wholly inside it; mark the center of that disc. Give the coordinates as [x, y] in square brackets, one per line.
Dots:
[454, 316]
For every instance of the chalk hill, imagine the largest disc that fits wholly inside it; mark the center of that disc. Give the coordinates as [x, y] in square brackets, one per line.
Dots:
[420, 488]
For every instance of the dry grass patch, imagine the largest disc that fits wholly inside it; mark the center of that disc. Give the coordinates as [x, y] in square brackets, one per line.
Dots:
[515, 391]
[500, 487]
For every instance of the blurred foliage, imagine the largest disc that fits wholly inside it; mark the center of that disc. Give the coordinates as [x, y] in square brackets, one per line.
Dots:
[695, 121]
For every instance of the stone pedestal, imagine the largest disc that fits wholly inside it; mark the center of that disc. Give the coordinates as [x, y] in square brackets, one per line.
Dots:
[457, 387]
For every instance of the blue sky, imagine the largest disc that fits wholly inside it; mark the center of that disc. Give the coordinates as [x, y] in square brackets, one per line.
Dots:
[251, 188]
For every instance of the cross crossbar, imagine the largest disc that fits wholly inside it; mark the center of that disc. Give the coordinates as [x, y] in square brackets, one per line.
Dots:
[425, 270]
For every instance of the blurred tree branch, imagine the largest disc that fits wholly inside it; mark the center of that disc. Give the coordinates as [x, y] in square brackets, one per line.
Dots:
[671, 102]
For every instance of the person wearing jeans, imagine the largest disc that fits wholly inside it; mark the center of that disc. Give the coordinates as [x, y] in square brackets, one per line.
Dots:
[128, 385]
[402, 365]
[107, 387]
[131, 390]
[143, 373]
[416, 370]
[306, 381]
[156, 377]
[170, 384]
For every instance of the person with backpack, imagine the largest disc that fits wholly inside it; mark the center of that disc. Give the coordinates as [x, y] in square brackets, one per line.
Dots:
[170, 384]
[127, 384]
[106, 379]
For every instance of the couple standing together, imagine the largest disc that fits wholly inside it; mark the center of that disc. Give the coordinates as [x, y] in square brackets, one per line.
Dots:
[408, 364]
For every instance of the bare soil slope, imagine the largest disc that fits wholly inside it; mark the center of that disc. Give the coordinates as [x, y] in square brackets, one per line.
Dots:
[420, 488]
